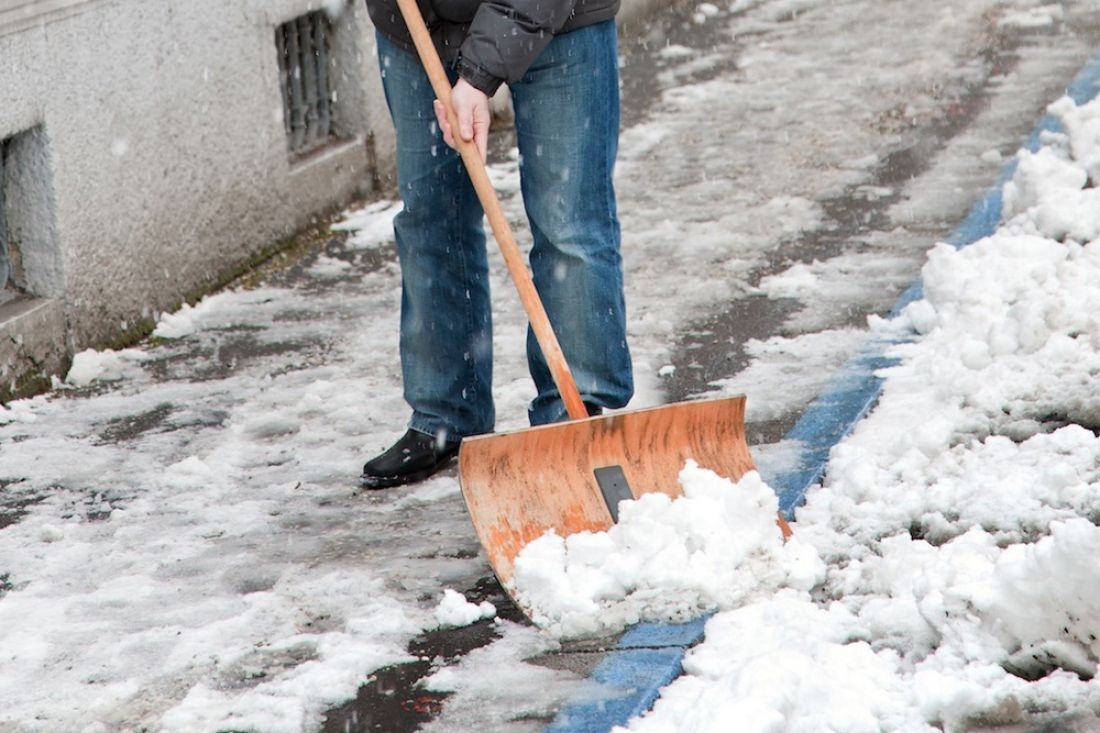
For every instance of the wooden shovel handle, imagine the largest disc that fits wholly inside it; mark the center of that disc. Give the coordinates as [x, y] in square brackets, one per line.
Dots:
[475, 167]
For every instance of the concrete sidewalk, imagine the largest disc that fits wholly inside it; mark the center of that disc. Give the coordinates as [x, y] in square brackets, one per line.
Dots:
[639, 663]
[749, 141]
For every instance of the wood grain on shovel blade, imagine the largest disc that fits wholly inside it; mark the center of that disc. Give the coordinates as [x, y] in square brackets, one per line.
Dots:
[519, 485]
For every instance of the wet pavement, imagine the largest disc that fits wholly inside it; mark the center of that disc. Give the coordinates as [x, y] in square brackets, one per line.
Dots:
[712, 348]
[392, 700]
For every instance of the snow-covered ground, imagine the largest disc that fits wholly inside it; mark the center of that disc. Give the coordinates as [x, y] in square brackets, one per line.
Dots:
[190, 555]
[945, 576]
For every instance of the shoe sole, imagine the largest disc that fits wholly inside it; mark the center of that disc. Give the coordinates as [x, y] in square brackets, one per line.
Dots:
[374, 483]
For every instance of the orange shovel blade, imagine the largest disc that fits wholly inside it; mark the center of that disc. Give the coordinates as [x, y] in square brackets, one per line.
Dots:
[565, 477]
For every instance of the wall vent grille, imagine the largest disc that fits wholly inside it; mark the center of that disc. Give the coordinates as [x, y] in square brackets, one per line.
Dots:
[305, 67]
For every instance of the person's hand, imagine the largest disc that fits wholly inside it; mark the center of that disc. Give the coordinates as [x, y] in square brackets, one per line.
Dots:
[472, 110]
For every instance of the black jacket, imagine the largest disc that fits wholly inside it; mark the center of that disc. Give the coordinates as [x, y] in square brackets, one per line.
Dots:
[492, 41]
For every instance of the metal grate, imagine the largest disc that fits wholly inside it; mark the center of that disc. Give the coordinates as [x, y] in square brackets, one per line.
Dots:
[303, 46]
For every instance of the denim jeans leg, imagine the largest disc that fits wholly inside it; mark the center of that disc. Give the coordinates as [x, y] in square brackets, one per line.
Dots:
[567, 127]
[446, 329]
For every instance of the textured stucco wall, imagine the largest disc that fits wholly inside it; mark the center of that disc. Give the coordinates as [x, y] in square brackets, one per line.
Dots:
[152, 158]
[166, 150]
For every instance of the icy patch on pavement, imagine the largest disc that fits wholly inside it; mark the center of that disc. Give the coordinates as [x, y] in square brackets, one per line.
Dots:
[488, 688]
[792, 283]
[230, 309]
[190, 555]
[370, 227]
[326, 267]
[787, 372]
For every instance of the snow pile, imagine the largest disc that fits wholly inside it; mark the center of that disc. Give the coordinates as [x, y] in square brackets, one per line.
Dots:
[767, 666]
[964, 579]
[957, 524]
[108, 366]
[716, 547]
[454, 610]
[1053, 192]
[1057, 627]
[225, 310]
[179, 324]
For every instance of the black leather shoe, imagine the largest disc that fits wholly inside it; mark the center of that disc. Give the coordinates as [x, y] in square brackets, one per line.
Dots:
[413, 458]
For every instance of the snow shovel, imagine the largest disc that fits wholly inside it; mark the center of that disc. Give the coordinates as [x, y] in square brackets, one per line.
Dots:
[570, 477]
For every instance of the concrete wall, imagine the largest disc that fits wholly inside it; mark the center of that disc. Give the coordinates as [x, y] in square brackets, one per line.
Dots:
[145, 158]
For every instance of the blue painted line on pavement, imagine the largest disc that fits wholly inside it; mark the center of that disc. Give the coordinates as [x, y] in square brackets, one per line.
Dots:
[666, 634]
[627, 681]
[650, 656]
[856, 389]
[626, 684]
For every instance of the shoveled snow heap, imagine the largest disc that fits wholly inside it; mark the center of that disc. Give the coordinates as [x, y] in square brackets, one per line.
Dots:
[665, 559]
[957, 526]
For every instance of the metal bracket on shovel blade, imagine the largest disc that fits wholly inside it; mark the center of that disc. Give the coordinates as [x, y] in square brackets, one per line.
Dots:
[614, 487]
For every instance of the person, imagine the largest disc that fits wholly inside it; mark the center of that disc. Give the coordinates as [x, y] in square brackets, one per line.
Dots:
[559, 59]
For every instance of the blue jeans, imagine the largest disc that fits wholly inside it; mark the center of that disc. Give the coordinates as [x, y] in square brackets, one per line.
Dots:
[567, 126]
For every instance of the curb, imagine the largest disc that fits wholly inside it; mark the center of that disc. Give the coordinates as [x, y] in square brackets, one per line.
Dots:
[650, 656]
